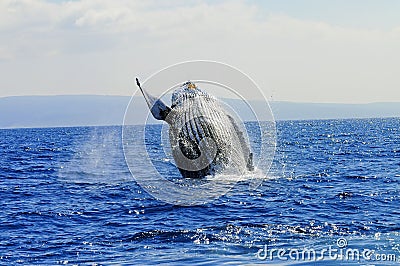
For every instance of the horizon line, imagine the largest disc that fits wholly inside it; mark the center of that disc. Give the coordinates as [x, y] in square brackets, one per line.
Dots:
[269, 100]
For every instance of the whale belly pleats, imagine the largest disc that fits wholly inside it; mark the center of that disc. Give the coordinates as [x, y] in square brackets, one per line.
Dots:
[205, 139]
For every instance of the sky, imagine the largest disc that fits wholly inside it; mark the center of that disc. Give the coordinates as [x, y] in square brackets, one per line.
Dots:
[342, 51]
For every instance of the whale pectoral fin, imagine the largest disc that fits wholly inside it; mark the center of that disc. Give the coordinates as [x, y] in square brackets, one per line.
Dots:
[158, 108]
[248, 155]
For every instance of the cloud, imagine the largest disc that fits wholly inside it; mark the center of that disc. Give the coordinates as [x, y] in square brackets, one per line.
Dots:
[102, 43]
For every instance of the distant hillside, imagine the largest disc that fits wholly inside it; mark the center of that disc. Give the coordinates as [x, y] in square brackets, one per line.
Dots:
[80, 110]
[306, 111]
[52, 111]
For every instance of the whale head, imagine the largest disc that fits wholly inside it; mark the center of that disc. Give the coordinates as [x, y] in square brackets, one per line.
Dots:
[187, 91]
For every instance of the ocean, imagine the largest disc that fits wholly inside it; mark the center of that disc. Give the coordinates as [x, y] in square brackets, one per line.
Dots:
[331, 197]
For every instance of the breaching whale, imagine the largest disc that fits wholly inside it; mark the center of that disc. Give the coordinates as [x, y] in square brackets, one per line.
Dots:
[205, 138]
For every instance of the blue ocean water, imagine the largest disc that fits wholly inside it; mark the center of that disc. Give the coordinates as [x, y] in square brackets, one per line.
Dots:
[67, 197]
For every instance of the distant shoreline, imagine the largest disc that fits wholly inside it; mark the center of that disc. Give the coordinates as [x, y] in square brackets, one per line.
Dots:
[99, 110]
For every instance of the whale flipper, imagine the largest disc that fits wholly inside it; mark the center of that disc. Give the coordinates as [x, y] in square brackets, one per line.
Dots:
[248, 155]
[158, 108]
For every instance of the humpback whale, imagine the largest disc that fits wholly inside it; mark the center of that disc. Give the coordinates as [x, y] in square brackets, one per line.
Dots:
[205, 138]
